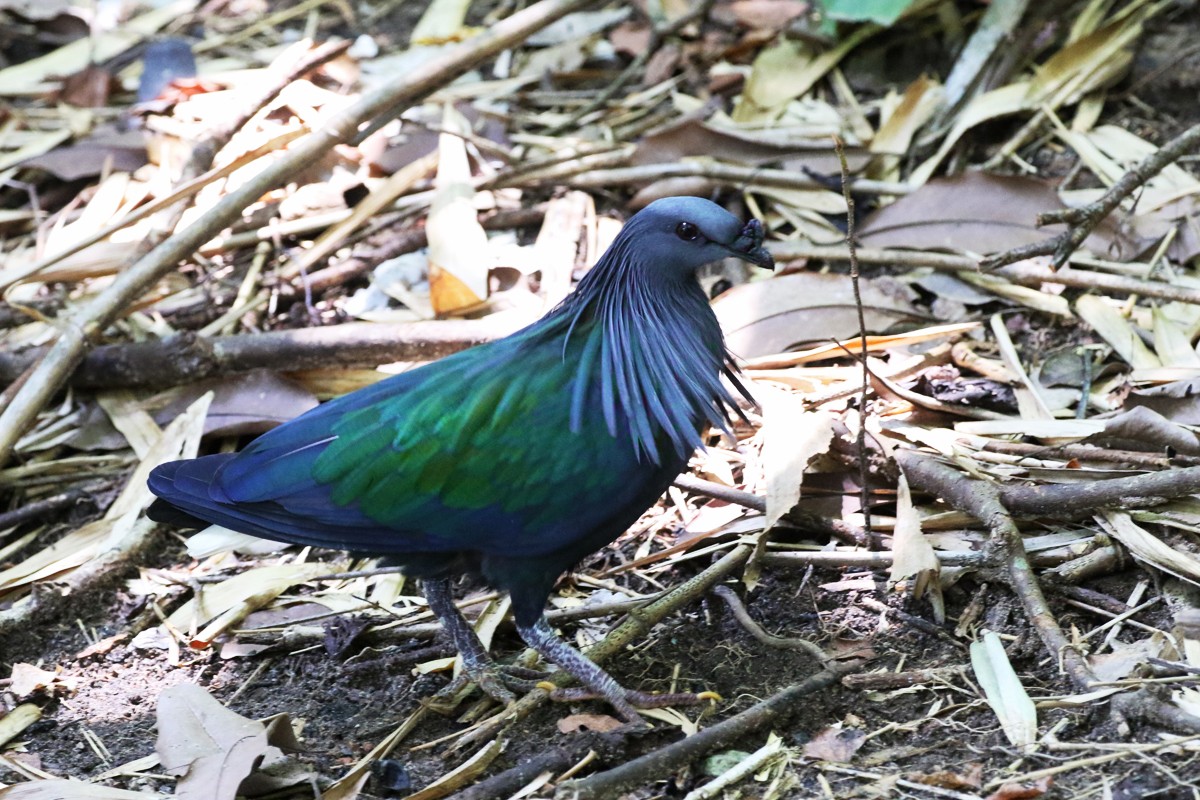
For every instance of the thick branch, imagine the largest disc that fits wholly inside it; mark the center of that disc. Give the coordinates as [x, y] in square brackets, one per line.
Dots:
[186, 357]
[983, 501]
[763, 716]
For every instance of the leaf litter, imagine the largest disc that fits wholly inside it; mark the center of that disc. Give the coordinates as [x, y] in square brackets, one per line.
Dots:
[516, 176]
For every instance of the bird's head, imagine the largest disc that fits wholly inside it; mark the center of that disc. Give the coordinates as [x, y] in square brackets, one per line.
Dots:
[689, 232]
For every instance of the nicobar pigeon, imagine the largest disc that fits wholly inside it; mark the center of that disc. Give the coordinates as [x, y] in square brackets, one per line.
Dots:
[515, 459]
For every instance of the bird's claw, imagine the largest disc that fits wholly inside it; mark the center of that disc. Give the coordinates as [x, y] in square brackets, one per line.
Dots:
[491, 682]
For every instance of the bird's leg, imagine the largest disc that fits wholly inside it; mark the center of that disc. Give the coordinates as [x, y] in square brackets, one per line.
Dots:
[540, 637]
[596, 682]
[478, 664]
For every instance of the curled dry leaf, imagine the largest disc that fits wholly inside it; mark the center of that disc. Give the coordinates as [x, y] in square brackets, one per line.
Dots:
[210, 748]
[792, 437]
[1149, 549]
[597, 723]
[913, 555]
[835, 743]
[28, 679]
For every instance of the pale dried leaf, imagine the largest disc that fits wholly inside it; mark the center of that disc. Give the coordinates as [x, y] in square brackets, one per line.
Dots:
[210, 748]
[459, 255]
[17, 720]
[1116, 330]
[463, 775]
[835, 743]
[28, 679]
[1149, 549]
[258, 583]
[792, 437]
[71, 790]
[912, 553]
[442, 21]
[1125, 657]
[1004, 691]
[598, 723]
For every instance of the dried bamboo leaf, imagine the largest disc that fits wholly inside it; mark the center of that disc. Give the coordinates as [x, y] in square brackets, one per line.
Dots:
[1116, 330]
[1149, 549]
[1003, 690]
[459, 256]
[256, 586]
[913, 555]
[17, 720]
[1171, 343]
[792, 437]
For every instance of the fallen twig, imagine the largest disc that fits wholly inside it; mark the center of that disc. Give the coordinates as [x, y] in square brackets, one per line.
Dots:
[635, 626]
[985, 502]
[764, 715]
[1083, 220]
[187, 357]
[1021, 274]
[769, 639]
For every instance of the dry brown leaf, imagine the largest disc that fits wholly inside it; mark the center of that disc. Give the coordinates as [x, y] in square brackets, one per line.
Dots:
[776, 315]
[1177, 401]
[1125, 657]
[1143, 428]
[597, 723]
[975, 212]
[792, 437]
[835, 743]
[210, 748]
[105, 148]
[1022, 791]
[28, 679]
[947, 779]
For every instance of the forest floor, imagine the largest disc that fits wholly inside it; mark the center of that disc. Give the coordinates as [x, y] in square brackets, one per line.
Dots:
[903, 647]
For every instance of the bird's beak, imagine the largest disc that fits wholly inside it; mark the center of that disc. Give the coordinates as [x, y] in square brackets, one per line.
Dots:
[749, 246]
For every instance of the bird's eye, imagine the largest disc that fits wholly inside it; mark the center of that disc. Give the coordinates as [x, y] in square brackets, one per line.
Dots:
[687, 231]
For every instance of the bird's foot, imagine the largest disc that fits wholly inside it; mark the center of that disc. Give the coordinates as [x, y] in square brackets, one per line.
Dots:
[490, 680]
